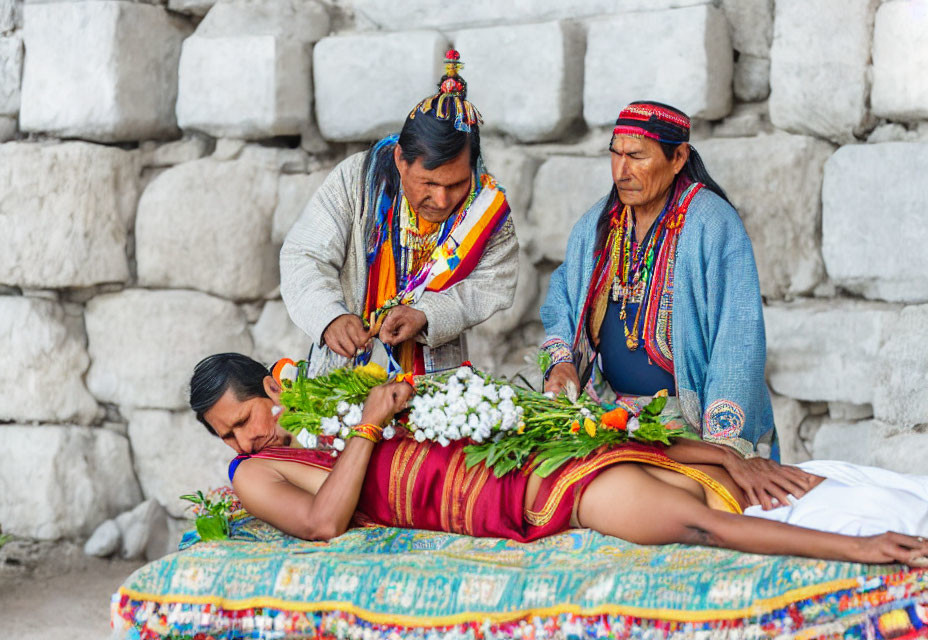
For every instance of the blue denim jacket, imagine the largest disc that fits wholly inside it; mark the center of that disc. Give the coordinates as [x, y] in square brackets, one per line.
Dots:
[718, 341]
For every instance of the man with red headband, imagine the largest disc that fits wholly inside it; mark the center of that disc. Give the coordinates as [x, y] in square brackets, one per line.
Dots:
[659, 290]
[410, 242]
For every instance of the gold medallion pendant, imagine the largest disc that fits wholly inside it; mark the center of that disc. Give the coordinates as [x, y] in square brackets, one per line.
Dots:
[631, 342]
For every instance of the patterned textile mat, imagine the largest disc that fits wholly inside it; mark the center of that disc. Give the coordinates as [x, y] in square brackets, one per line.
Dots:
[382, 582]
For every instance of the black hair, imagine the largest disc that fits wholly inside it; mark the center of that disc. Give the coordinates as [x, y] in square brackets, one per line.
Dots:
[695, 169]
[214, 375]
[436, 141]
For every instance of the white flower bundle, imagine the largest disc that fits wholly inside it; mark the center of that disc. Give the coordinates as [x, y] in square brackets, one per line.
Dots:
[466, 406]
[348, 415]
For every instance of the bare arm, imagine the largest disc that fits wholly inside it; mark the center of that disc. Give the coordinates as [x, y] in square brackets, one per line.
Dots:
[269, 496]
[757, 535]
[764, 482]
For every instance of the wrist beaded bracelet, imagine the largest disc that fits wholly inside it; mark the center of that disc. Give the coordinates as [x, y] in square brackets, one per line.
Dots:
[371, 432]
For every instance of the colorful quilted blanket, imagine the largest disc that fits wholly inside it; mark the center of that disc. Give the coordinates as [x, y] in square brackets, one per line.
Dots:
[381, 582]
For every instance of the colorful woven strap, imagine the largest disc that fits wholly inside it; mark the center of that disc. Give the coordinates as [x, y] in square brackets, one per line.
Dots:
[655, 121]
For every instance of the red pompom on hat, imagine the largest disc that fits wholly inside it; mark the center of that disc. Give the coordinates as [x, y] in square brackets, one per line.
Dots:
[451, 85]
[451, 99]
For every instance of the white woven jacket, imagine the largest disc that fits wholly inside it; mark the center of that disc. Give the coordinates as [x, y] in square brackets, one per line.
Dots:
[323, 268]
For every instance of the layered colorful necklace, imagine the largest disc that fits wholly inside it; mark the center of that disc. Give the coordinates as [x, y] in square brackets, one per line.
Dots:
[418, 238]
[634, 268]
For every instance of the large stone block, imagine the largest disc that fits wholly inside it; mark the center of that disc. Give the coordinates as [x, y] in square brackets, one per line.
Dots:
[7, 128]
[565, 188]
[246, 72]
[398, 68]
[277, 337]
[191, 7]
[65, 211]
[752, 78]
[825, 350]
[44, 360]
[874, 228]
[174, 454]
[751, 25]
[788, 415]
[693, 71]
[144, 344]
[849, 441]
[515, 170]
[818, 74]
[901, 394]
[158, 155]
[10, 15]
[293, 194]
[775, 182]
[528, 109]
[900, 57]
[11, 67]
[526, 299]
[62, 481]
[422, 14]
[902, 451]
[872, 443]
[215, 239]
[101, 70]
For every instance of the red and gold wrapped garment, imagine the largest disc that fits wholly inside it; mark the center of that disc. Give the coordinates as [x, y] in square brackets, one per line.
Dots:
[427, 486]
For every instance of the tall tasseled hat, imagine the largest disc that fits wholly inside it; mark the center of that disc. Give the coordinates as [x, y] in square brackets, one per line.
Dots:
[451, 99]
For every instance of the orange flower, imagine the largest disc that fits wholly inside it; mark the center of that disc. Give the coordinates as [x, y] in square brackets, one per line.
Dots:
[615, 420]
[575, 427]
[283, 362]
[407, 378]
[661, 394]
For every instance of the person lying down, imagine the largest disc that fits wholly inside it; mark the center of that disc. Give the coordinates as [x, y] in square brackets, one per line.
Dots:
[643, 494]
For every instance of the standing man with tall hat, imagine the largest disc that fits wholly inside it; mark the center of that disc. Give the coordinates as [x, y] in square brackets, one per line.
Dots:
[410, 242]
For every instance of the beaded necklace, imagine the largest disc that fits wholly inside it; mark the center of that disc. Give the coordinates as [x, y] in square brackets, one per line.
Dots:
[418, 238]
[634, 267]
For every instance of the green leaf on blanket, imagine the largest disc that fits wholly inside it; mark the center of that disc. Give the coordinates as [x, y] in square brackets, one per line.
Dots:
[212, 528]
[212, 515]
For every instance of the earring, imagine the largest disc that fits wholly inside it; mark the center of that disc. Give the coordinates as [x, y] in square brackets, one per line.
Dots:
[275, 410]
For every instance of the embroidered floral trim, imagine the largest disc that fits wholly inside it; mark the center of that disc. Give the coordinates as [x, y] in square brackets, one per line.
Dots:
[723, 419]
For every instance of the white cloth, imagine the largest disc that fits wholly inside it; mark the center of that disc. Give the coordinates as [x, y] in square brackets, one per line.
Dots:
[856, 501]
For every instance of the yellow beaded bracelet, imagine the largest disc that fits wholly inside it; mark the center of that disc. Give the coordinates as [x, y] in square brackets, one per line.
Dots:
[371, 432]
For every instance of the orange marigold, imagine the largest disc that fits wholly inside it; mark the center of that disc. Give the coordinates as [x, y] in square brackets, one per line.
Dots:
[575, 427]
[615, 420]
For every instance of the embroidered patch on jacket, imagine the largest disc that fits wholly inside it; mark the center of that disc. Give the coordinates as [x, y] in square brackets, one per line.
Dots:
[724, 419]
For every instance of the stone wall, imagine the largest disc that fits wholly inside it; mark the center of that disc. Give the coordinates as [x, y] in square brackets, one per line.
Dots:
[155, 154]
